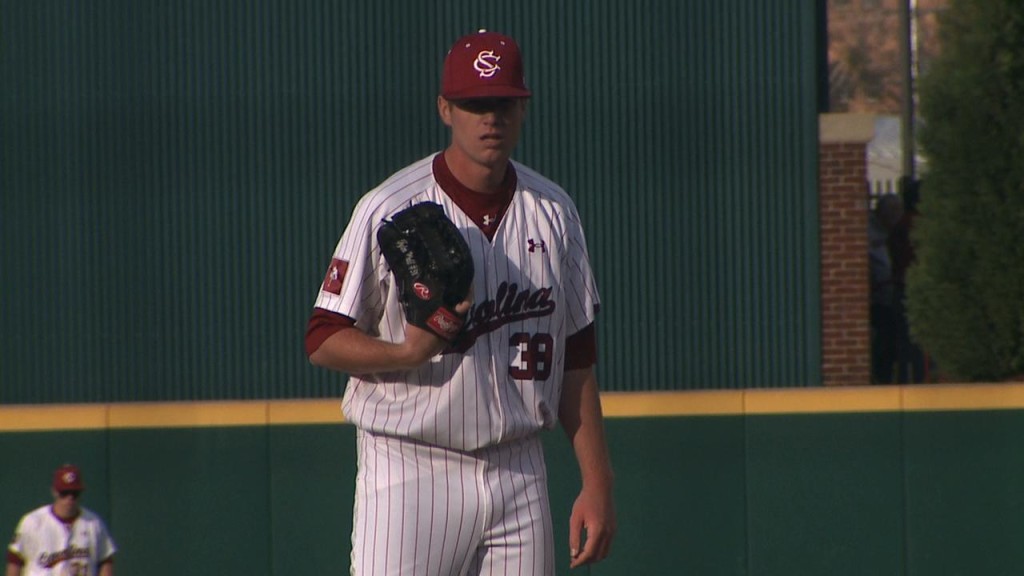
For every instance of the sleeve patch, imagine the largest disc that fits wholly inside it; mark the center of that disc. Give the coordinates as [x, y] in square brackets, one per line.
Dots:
[335, 277]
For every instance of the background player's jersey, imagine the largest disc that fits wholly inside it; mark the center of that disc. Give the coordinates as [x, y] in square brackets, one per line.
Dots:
[50, 547]
[533, 287]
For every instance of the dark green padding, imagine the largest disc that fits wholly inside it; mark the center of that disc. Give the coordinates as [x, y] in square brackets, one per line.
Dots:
[911, 494]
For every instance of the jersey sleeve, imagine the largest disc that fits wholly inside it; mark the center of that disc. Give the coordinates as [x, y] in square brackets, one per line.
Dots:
[105, 547]
[16, 549]
[581, 349]
[581, 293]
[352, 284]
[15, 558]
[321, 326]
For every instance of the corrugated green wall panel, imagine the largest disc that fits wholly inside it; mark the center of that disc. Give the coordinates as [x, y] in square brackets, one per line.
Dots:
[694, 180]
[173, 177]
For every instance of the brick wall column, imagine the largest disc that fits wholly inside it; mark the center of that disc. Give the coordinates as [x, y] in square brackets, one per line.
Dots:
[842, 181]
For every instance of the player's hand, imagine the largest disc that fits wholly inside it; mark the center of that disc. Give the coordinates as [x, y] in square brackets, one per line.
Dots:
[422, 345]
[591, 527]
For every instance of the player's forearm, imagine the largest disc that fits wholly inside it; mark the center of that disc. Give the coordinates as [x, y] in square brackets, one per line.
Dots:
[353, 351]
[581, 417]
[12, 570]
[106, 569]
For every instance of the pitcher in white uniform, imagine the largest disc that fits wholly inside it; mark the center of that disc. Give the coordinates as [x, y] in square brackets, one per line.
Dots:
[63, 538]
[451, 475]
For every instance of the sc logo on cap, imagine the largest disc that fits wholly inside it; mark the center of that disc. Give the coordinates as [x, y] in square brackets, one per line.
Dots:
[486, 63]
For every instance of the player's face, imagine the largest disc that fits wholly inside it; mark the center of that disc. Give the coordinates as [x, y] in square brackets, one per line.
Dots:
[65, 503]
[485, 131]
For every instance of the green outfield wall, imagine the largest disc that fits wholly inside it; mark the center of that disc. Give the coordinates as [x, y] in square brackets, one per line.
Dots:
[174, 177]
[914, 481]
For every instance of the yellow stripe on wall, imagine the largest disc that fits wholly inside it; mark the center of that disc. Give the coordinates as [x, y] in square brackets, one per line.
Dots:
[55, 417]
[680, 403]
[1010, 396]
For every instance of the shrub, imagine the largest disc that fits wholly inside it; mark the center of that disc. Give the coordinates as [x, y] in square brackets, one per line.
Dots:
[965, 293]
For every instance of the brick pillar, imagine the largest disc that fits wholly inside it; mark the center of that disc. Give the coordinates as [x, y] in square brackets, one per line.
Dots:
[842, 181]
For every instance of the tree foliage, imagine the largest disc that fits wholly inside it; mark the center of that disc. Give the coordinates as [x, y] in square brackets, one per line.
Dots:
[965, 294]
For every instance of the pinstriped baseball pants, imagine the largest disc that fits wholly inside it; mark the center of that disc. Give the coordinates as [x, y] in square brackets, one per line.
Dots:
[422, 510]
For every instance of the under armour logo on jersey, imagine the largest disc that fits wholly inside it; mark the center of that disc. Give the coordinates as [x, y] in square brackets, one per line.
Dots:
[535, 245]
[486, 63]
[488, 219]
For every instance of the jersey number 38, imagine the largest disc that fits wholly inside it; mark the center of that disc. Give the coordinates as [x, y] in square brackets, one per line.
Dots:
[535, 354]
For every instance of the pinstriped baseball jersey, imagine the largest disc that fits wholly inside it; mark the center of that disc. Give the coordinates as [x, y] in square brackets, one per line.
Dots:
[533, 287]
[50, 546]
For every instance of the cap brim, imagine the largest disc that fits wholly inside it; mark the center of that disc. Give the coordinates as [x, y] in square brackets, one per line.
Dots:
[488, 92]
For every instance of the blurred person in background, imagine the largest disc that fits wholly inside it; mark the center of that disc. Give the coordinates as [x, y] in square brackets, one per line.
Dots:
[62, 538]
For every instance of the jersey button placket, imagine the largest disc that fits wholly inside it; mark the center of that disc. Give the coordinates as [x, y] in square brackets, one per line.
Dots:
[498, 351]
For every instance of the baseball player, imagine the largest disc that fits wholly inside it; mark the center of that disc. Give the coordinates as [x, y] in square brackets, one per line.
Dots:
[63, 538]
[451, 476]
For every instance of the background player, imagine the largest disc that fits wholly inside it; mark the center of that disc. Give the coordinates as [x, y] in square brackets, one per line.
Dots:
[451, 477]
[63, 538]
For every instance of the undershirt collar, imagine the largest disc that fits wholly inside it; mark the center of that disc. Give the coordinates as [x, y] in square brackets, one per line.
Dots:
[485, 210]
[66, 521]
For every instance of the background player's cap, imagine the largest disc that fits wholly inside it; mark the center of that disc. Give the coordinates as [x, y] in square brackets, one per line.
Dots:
[484, 65]
[68, 477]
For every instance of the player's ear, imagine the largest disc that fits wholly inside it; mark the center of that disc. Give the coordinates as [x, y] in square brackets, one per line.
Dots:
[444, 110]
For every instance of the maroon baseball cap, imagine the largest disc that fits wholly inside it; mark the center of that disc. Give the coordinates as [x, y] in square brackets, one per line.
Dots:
[484, 65]
[67, 478]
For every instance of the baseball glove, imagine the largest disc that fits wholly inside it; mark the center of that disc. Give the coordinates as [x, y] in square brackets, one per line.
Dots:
[432, 265]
